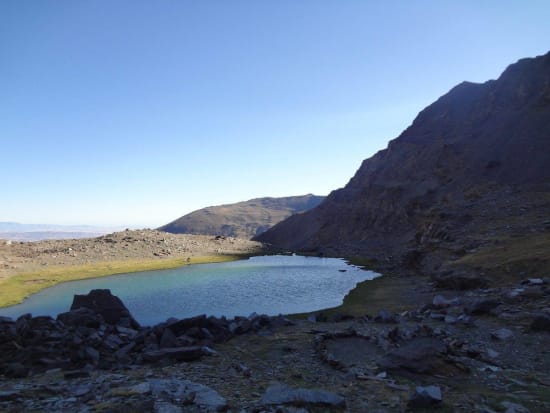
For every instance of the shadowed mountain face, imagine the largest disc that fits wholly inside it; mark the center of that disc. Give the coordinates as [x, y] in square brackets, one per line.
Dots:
[243, 219]
[472, 169]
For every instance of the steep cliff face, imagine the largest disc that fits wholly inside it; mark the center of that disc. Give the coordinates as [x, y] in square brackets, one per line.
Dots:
[457, 172]
[243, 219]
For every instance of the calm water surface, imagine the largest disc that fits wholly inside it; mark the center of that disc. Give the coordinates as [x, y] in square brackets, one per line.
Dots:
[267, 285]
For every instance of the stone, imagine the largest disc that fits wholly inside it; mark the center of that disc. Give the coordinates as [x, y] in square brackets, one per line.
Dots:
[130, 332]
[502, 334]
[283, 394]
[483, 306]
[165, 407]
[541, 323]
[449, 319]
[514, 407]
[179, 327]
[92, 354]
[81, 317]
[420, 355]
[6, 396]
[76, 374]
[385, 316]
[492, 353]
[168, 339]
[188, 392]
[176, 353]
[441, 302]
[460, 281]
[425, 397]
[109, 306]
[16, 370]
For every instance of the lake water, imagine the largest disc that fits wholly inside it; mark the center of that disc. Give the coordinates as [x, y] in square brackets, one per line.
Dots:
[267, 285]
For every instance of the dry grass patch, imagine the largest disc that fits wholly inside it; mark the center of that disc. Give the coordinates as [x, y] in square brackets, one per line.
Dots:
[15, 289]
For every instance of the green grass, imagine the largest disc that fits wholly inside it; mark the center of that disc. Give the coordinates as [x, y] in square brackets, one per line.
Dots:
[15, 289]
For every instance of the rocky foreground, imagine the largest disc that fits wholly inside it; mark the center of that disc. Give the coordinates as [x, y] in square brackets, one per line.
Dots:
[476, 350]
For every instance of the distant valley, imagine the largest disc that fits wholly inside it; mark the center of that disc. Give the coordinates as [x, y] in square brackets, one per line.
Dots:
[243, 219]
[16, 231]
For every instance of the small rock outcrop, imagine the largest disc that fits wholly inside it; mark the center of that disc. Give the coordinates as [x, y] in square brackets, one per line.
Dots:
[109, 306]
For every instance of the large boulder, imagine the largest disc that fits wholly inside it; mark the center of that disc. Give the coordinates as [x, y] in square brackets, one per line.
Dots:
[421, 355]
[283, 394]
[109, 306]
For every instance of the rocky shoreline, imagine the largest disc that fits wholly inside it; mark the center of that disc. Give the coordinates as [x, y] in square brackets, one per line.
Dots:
[475, 350]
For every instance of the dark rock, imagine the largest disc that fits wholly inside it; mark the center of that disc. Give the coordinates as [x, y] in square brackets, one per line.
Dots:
[181, 326]
[385, 317]
[502, 334]
[482, 306]
[81, 317]
[16, 370]
[168, 339]
[421, 355]
[283, 394]
[441, 302]
[130, 332]
[425, 397]
[109, 306]
[6, 396]
[187, 392]
[460, 282]
[91, 354]
[176, 353]
[76, 374]
[541, 323]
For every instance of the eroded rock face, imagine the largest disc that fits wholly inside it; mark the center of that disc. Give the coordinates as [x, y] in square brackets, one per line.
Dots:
[477, 155]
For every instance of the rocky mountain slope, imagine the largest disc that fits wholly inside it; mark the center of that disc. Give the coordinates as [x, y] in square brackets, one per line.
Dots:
[243, 219]
[467, 182]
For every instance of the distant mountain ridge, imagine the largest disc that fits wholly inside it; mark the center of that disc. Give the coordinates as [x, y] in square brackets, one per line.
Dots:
[243, 219]
[472, 170]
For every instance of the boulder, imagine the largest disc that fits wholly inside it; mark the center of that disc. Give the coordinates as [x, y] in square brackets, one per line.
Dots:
[81, 317]
[425, 397]
[422, 355]
[385, 316]
[283, 394]
[109, 306]
[482, 306]
[441, 302]
[541, 323]
[502, 334]
[187, 392]
[176, 353]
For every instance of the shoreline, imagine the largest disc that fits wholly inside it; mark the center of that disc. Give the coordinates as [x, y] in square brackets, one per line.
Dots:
[24, 285]
[15, 289]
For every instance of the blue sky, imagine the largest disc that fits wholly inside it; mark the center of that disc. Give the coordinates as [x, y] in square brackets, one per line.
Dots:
[136, 112]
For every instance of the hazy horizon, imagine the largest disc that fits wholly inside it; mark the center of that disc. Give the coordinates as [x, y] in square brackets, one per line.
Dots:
[134, 113]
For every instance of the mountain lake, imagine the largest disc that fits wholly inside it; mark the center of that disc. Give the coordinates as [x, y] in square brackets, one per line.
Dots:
[272, 285]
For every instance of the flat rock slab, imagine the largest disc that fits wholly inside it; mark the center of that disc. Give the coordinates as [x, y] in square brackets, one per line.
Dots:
[422, 355]
[174, 392]
[177, 353]
[351, 352]
[502, 334]
[283, 394]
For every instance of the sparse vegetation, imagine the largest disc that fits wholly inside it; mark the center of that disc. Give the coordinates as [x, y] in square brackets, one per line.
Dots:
[15, 289]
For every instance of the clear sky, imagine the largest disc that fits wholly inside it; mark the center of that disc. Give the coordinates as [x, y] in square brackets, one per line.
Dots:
[136, 112]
